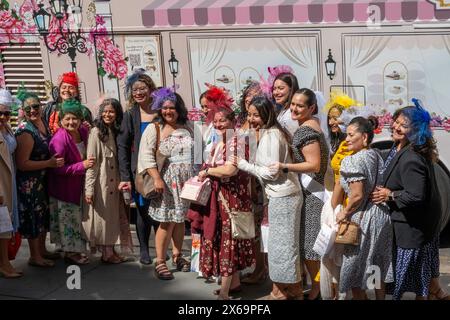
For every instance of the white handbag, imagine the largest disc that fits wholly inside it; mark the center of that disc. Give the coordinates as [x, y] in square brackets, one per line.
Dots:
[196, 191]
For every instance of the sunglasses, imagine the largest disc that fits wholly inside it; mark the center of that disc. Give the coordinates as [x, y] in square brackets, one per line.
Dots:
[5, 113]
[35, 107]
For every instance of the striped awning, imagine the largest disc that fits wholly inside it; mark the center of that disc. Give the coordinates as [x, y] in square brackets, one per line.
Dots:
[171, 13]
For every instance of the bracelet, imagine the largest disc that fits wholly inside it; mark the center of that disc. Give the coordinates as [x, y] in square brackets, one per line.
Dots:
[206, 171]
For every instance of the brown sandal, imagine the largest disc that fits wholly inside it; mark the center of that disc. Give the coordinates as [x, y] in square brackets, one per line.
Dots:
[181, 263]
[438, 295]
[162, 272]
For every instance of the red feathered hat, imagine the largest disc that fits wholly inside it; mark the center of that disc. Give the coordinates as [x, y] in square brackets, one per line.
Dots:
[70, 78]
[218, 99]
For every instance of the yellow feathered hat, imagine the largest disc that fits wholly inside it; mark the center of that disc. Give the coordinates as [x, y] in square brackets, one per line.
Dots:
[340, 99]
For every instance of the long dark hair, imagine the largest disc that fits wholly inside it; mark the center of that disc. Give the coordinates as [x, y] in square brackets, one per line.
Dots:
[428, 149]
[181, 110]
[253, 88]
[103, 128]
[335, 138]
[267, 113]
[291, 81]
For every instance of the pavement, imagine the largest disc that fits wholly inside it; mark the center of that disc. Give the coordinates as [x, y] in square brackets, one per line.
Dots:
[132, 281]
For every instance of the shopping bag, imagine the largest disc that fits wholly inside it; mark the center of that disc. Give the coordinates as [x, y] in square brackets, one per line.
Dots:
[196, 191]
[325, 240]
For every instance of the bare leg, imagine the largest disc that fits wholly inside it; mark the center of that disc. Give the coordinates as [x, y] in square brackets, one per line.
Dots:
[162, 239]
[225, 288]
[313, 269]
[5, 265]
[177, 238]
[35, 253]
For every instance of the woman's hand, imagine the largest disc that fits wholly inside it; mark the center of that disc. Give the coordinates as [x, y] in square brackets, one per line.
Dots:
[159, 185]
[89, 200]
[202, 175]
[124, 184]
[276, 167]
[380, 195]
[55, 162]
[89, 162]
[341, 216]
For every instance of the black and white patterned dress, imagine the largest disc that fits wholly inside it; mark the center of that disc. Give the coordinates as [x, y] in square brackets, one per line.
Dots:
[312, 205]
[375, 249]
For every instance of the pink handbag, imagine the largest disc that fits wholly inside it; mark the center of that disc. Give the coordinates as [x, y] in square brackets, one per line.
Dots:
[196, 191]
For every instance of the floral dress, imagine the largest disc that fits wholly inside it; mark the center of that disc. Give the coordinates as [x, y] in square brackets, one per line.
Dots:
[32, 187]
[225, 255]
[178, 168]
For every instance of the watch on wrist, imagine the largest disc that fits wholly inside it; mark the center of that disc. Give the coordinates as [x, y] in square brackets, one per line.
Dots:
[391, 196]
[285, 170]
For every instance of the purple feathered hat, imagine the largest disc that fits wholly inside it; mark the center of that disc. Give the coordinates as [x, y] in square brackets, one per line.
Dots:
[162, 95]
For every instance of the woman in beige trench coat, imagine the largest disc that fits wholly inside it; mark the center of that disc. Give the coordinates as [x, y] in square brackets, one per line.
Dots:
[105, 221]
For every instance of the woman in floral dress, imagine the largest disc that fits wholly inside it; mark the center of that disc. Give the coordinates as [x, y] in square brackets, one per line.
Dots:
[173, 138]
[220, 253]
[32, 159]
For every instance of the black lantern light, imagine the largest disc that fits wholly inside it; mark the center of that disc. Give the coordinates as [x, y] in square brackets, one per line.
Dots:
[59, 8]
[70, 41]
[330, 65]
[173, 66]
[42, 20]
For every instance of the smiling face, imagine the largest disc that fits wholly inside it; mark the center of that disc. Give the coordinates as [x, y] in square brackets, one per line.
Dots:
[5, 115]
[254, 118]
[356, 141]
[70, 122]
[109, 115]
[169, 112]
[67, 91]
[32, 109]
[400, 129]
[280, 91]
[300, 111]
[221, 123]
[140, 92]
[333, 120]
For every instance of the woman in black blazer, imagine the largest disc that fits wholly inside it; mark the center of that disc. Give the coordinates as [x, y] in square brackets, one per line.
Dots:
[139, 88]
[410, 191]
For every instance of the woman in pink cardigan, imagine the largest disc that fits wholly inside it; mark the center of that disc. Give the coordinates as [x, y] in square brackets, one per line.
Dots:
[65, 184]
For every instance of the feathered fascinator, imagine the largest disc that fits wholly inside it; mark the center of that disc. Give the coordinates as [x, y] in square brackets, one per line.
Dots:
[420, 124]
[23, 94]
[267, 85]
[70, 78]
[131, 80]
[340, 99]
[162, 95]
[218, 99]
[72, 106]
